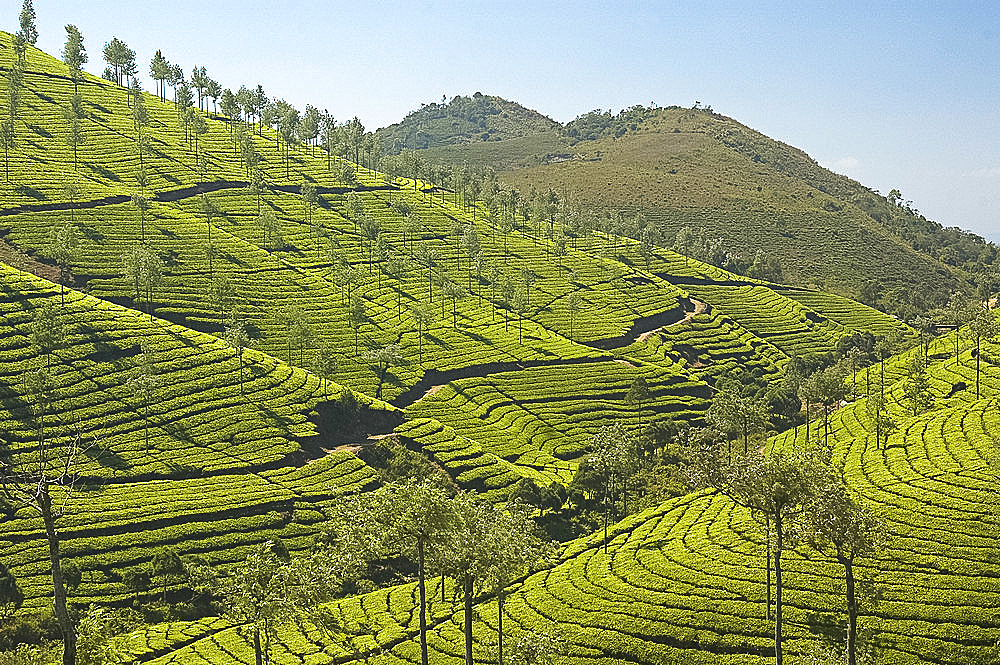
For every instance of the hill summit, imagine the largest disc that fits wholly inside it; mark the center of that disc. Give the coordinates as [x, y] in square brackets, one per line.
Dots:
[697, 169]
[464, 120]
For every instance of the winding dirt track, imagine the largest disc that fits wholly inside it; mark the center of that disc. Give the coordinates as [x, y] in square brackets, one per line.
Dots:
[699, 308]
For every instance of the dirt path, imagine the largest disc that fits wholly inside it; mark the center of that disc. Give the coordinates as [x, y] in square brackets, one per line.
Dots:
[432, 390]
[699, 308]
[16, 258]
[433, 380]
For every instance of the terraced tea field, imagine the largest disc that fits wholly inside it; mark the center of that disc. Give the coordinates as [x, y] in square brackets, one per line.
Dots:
[685, 582]
[221, 395]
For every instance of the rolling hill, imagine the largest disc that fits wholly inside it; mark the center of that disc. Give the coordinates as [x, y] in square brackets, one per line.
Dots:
[698, 169]
[229, 341]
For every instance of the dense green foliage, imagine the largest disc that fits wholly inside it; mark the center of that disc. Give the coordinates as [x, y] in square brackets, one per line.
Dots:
[463, 120]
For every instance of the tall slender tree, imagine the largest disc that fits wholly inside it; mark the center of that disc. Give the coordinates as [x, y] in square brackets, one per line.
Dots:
[307, 192]
[143, 267]
[45, 485]
[384, 358]
[118, 55]
[143, 384]
[574, 302]
[269, 588]
[308, 128]
[64, 248]
[74, 115]
[413, 518]
[958, 312]
[28, 31]
[8, 141]
[615, 457]
[324, 365]
[159, 71]
[423, 317]
[638, 393]
[140, 120]
[47, 332]
[982, 327]
[74, 54]
[237, 338]
[141, 204]
[779, 486]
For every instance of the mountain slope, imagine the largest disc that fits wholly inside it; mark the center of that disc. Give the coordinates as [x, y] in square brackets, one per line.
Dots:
[698, 169]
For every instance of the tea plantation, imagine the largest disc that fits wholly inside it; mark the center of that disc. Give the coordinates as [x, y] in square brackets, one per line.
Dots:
[243, 320]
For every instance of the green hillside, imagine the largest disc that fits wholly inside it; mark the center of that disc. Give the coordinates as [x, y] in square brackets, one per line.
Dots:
[697, 169]
[228, 331]
[685, 581]
[476, 119]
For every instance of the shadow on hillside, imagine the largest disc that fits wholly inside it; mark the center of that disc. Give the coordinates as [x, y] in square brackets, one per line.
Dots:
[438, 341]
[226, 256]
[828, 627]
[15, 405]
[24, 190]
[104, 172]
[105, 352]
[92, 234]
[41, 131]
[345, 420]
[183, 339]
[476, 337]
[107, 458]
[97, 107]
[278, 420]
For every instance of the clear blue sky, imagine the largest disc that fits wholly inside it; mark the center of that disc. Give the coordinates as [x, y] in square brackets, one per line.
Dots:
[903, 95]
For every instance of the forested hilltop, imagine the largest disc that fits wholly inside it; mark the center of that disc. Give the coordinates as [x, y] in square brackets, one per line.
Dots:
[464, 120]
[268, 395]
[693, 169]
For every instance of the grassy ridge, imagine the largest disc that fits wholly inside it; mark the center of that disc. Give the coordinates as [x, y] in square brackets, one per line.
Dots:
[689, 167]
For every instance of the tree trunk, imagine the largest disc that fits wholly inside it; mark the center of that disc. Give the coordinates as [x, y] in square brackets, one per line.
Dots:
[852, 611]
[267, 640]
[467, 589]
[500, 628]
[778, 546]
[606, 508]
[767, 538]
[258, 653]
[66, 626]
[423, 601]
[881, 381]
[977, 368]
